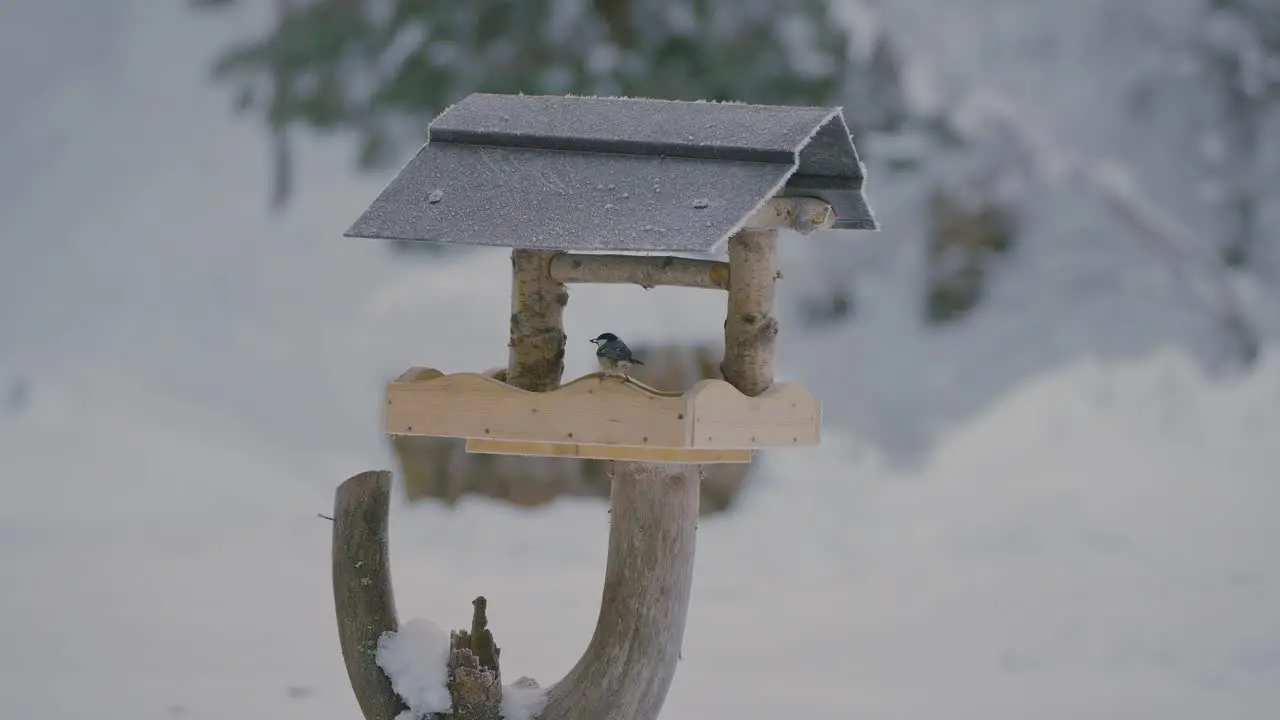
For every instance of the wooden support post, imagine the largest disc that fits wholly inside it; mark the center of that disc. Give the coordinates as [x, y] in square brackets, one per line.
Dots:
[647, 271]
[535, 360]
[750, 330]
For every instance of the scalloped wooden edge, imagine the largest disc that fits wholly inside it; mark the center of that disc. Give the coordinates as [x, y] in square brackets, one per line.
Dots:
[596, 410]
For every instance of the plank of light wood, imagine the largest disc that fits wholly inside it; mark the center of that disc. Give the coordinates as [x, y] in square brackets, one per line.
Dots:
[608, 452]
[593, 414]
[592, 409]
[362, 592]
[628, 666]
[784, 415]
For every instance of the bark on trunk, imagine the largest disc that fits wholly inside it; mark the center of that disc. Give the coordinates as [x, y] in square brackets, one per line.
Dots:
[535, 360]
[628, 666]
[750, 330]
[644, 270]
[366, 609]
[362, 593]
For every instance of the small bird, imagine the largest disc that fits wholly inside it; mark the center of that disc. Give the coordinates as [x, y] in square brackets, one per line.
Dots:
[614, 355]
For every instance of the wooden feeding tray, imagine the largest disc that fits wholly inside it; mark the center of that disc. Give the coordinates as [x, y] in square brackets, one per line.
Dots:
[602, 417]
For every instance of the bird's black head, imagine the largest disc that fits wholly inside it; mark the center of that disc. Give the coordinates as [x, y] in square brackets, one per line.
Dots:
[604, 338]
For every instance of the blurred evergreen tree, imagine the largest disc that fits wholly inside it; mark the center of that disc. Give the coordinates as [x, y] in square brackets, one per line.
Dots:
[1240, 59]
[384, 68]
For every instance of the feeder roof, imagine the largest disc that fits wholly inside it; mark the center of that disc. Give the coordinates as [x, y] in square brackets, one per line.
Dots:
[613, 174]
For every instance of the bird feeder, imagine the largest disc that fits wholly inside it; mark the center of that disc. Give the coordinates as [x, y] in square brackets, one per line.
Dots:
[585, 190]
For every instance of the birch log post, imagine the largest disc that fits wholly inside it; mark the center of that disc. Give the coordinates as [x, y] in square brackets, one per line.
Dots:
[644, 270]
[750, 330]
[535, 360]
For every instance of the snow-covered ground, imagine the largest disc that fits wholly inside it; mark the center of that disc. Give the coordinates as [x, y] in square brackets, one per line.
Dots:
[1098, 541]
[1100, 544]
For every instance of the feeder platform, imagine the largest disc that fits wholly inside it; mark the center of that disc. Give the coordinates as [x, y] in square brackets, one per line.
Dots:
[601, 417]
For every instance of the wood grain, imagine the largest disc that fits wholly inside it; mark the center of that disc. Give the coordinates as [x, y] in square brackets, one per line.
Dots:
[362, 592]
[608, 413]
[628, 666]
[784, 415]
[536, 338]
[591, 409]
[750, 330]
[701, 456]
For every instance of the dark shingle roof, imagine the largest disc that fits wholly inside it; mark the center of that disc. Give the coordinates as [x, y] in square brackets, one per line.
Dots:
[621, 174]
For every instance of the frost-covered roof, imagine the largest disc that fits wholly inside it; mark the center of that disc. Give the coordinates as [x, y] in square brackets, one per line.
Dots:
[586, 173]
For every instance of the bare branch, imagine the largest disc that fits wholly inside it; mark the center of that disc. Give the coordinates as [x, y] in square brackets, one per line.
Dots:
[643, 270]
[362, 592]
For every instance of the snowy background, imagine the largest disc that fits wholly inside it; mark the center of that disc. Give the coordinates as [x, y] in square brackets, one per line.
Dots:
[1061, 506]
